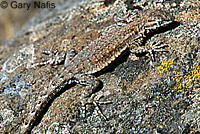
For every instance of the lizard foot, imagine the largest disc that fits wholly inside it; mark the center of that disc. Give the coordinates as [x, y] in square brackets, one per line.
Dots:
[96, 102]
[156, 47]
[151, 49]
[55, 57]
[92, 85]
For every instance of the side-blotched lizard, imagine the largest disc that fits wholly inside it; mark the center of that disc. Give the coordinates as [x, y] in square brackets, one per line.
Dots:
[99, 54]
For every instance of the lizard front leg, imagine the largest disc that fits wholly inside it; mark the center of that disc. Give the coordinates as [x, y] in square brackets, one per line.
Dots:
[153, 47]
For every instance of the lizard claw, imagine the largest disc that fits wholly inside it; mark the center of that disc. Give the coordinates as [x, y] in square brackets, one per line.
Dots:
[94, 101]
[156, 47]
[153, 47]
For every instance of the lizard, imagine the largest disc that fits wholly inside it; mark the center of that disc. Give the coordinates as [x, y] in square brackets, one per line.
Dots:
[84, 67]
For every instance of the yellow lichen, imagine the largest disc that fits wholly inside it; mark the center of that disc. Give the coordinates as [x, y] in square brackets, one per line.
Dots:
[182, 81]
[165, 65]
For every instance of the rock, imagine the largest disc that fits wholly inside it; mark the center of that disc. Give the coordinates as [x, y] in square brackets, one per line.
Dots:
[147, 96]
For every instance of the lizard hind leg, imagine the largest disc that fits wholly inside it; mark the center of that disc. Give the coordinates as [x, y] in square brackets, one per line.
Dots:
[92, 85]
[95, 100]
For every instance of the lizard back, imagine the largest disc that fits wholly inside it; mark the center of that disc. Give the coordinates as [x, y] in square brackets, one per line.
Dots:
[100, 53]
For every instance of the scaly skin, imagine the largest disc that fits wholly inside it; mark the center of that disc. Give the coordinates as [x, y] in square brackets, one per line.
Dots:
[100, 53]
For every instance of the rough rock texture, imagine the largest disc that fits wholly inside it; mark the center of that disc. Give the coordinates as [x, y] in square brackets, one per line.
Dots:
[161, 96]
[13, 18]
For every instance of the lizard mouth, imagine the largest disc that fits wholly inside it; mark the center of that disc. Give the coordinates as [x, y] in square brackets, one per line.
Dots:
[159, 27]
[154, 25]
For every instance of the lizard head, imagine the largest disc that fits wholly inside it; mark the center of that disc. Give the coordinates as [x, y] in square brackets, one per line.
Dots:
[155, 20]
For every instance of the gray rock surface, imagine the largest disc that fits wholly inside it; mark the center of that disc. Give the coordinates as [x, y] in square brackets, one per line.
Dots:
[147, 97]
